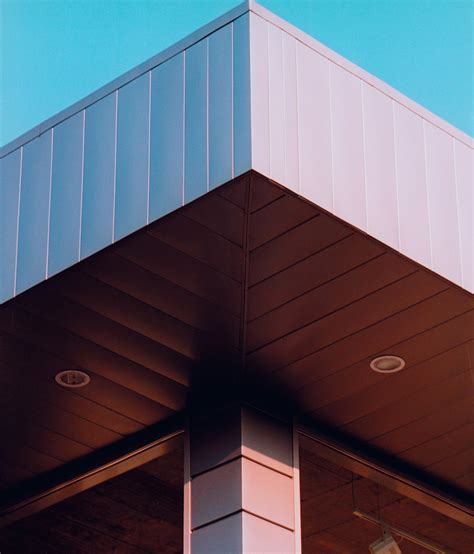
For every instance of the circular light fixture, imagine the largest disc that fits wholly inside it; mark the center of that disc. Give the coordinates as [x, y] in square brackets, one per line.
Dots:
[72, 378]
[387, 364]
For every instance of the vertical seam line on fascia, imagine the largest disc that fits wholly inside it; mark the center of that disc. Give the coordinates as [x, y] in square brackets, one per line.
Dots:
[283, 73]
[456, 186]
[207, 115]
[49, 200]
[249, 14]
[18, 220]
[298, 184]
[184, 128]
[269, 125]
[427, 195]
[364, 152]
[149, 150]
[267, 24]
[81, 201]
[232, 131]
[115, 166]
[395, 159]
[331, 132]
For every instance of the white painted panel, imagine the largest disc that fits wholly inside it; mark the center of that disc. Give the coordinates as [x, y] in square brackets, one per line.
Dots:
[220, 107]
[99, 175]
[411, 183]
[33, 231]
[348, 147]
[167, 137]
[241, 82]
[259, 94]
[441, 183]
[66, 194]
[291, 113]
[314, 127]
[276, 103]
[10, 174]
[382, 212]
[195, 149]
[464, 160]
[131, 196]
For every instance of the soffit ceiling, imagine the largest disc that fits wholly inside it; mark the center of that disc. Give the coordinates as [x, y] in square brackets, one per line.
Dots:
[248, 285]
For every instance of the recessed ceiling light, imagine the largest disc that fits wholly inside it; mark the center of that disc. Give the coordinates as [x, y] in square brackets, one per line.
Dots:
[72, 378]
[387, 364]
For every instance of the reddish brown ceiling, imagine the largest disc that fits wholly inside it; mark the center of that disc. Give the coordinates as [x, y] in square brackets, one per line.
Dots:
[253, 278]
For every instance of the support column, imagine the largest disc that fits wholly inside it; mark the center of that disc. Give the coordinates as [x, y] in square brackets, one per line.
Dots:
[242, 484]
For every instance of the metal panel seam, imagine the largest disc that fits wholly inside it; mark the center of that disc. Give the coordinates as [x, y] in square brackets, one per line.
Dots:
[18, 221]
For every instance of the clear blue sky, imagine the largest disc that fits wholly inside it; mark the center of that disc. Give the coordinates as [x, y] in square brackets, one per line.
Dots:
[56, 52]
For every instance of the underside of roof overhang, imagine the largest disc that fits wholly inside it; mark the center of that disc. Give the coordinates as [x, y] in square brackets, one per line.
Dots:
[248, 293]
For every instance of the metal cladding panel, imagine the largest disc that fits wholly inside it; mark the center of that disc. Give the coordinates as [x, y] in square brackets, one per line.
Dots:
[358, 149]
[290, 110]
[66, 194]
[259, 103]
[442, 205]
[220, 106]
[167, 137]
[414, 223]
[33, 231]
[133, 143]
[464, 166]
[380, 172]
[196, 140]
[242, 105]
[137, 153]
[10, 175]
[348, 147]
[99, 175]
[314, 127]
[276, 103]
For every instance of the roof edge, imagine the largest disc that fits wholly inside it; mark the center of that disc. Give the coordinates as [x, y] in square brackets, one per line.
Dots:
[207, 29]
[128, 76]
[362, 74]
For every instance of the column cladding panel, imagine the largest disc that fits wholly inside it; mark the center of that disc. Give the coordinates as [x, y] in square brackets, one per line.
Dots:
[243, 480]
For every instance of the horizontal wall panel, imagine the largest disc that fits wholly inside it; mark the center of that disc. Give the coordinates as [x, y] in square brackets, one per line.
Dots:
[464, 160]
[10, 174]
[131, 196]
[66, 194]
[220, 107]
[167, 137]
[195, 150]
[441, 183]
[314, 127]
[99, 176]
[34, 212]
[381, 183]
